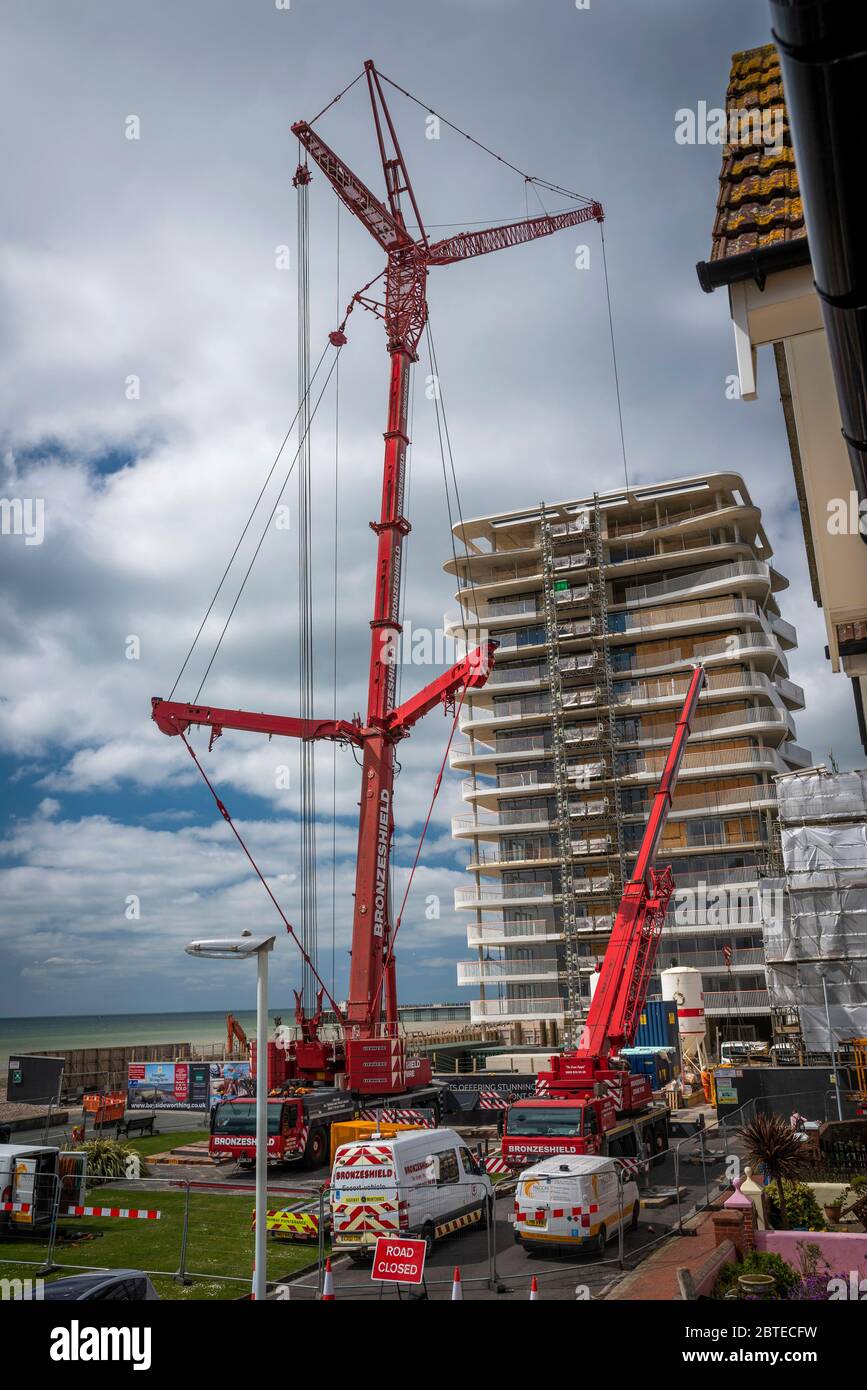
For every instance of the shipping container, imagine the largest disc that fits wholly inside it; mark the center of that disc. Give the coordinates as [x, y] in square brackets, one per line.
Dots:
[657, 1025]
[653, 1062]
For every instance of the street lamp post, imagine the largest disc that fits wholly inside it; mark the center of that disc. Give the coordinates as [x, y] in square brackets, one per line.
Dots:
[240, 948]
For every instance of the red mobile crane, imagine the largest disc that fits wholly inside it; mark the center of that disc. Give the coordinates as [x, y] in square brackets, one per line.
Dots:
[372, 1054]
[585, 1102]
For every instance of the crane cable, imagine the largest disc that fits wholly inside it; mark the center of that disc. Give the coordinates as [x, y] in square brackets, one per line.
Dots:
[614, 357]
[246, 528]
[224, 812]
[266, 527]
[334, 624]
[306, 676]
[501, 159]
[444, 435]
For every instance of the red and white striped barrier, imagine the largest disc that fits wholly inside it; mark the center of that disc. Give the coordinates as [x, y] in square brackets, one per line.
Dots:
[399, 1117]
[127, 1213]
[495, 1163]
[130, 1213]
[492, 1100]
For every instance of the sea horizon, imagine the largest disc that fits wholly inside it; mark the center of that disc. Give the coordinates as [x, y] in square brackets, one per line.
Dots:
[43, 1032]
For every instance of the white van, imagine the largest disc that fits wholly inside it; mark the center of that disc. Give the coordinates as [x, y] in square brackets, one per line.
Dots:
[575, 1202]
[424, 1183]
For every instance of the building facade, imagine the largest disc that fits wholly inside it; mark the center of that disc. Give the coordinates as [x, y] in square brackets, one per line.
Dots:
[600, 607]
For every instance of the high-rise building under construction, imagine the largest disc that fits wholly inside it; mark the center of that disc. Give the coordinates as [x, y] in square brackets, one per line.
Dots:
[601, 605]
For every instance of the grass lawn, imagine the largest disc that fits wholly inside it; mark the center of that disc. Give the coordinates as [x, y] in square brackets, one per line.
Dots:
[163, 1143]
[220, 1241]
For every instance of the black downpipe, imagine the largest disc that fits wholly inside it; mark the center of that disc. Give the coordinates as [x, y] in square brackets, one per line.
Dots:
[823, 55]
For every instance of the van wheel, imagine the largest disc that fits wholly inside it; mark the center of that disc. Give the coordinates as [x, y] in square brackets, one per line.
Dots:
[601, 1240]
[314, 1154]
[636, 1214]
[428, 1235]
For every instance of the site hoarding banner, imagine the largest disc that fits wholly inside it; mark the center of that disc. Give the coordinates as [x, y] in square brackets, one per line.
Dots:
[477, 1094]
[168, 1085]
[228, 1080]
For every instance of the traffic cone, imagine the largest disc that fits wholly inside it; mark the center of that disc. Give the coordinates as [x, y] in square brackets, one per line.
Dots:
[457, 1291]
[253, 1285]
[328, 1284]
[534, 1289]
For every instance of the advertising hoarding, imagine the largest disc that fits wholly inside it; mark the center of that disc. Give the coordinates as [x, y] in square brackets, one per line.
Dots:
[168, 1085]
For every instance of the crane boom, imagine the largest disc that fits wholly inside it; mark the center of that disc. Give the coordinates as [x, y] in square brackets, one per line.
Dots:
[463, 245]
[352, 191]
[621, 989]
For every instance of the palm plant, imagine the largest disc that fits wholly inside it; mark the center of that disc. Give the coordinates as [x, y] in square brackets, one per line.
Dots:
[771, 1141]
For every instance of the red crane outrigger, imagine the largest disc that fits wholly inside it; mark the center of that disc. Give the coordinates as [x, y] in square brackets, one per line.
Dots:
[404, 313]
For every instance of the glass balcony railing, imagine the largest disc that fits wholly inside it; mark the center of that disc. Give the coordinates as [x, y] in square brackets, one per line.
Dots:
[740, 569]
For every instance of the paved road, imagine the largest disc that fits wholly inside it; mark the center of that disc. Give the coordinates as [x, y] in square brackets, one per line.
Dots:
[558, 1277]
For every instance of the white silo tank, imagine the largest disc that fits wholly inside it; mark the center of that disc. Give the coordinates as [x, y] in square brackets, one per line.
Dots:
[682, 985]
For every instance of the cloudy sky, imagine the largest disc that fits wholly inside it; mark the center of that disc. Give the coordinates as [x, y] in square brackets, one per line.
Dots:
[158, 259]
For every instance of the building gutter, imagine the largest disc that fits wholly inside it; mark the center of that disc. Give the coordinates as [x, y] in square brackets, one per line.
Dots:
[753, 265]
[823, 56]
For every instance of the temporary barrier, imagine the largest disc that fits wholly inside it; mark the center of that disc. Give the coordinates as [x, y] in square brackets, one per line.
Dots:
[126, 1213]
[292, 1225]
[423, 1118]
[495, 1163]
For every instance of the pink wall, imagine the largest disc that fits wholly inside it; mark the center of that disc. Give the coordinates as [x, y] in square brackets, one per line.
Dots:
[842, 1252]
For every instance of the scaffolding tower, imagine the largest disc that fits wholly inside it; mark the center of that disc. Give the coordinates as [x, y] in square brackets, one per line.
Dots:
[597, 741]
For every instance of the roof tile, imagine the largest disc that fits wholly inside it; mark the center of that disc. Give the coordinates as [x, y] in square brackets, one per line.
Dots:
[759, 202]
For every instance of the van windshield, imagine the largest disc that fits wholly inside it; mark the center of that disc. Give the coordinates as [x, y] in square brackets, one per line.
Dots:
[526, 1119]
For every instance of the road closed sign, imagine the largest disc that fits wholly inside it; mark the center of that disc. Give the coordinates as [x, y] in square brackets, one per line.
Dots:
[398, 1261]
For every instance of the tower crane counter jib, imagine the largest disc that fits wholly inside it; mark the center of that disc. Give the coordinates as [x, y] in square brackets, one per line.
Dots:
[370, 1022]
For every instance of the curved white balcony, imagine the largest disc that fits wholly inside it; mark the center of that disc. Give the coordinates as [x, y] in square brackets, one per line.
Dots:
[507, 822]
[688, 804]
[532, 932]
[524, 677]
[708, 763]
[473, 972]
[767, 721]
[548, 1010]
[506, 895]
[749, 576]
[684, 618]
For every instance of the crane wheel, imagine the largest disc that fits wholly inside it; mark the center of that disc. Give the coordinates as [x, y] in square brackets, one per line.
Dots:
[317, 1147]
